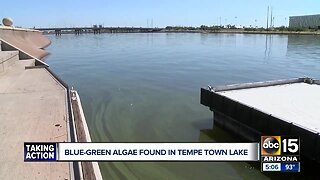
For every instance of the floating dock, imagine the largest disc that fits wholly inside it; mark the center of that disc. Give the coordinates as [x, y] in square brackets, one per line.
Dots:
[36, 106]
[283, 107]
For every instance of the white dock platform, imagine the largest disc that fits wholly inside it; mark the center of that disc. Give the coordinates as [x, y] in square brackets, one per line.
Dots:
[282, 107]
[297, 103]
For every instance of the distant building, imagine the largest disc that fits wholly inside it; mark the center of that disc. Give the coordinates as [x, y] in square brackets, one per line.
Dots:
[309, 21]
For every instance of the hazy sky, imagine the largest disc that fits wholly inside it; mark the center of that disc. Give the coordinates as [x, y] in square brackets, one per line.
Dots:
[68, 13]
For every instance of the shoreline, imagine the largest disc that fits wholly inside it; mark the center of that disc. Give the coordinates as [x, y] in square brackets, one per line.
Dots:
[205, 32]
[95, 30]
[241, 31]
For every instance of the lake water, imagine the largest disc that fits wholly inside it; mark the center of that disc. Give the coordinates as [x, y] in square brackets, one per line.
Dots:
[146, 88]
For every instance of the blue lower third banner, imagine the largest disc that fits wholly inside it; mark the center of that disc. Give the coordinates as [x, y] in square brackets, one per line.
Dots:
[34, 151]
[141, 152]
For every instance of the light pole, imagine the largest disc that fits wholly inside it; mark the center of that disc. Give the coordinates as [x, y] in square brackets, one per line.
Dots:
[272, 22]
[268, 18]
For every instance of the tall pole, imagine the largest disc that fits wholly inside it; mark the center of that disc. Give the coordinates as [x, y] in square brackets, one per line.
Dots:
[152, 23]
[268, 18]
[272, 21]
[271, 18]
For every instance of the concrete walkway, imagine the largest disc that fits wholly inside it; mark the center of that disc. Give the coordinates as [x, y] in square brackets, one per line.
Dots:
[32, 108]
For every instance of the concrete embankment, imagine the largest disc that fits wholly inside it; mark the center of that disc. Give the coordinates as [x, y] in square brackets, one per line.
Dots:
[30, 41]
[36, 106]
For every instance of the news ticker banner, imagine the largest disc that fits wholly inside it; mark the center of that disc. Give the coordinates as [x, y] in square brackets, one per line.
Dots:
[141, 151]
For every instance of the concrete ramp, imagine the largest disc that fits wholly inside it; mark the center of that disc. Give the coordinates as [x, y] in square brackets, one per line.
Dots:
[29, 41]
[6, 46]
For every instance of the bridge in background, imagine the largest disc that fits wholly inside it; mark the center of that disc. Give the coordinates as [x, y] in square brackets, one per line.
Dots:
[98, 30]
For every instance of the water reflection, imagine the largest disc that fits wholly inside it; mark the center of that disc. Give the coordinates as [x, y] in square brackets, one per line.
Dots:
[304, 47]
[304, 51]
[268, 46]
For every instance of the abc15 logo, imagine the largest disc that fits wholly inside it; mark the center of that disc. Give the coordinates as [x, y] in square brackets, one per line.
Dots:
[280, 145]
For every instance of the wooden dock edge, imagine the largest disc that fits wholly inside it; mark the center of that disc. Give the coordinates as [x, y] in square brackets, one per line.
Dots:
[90, 170]
[264, 84]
